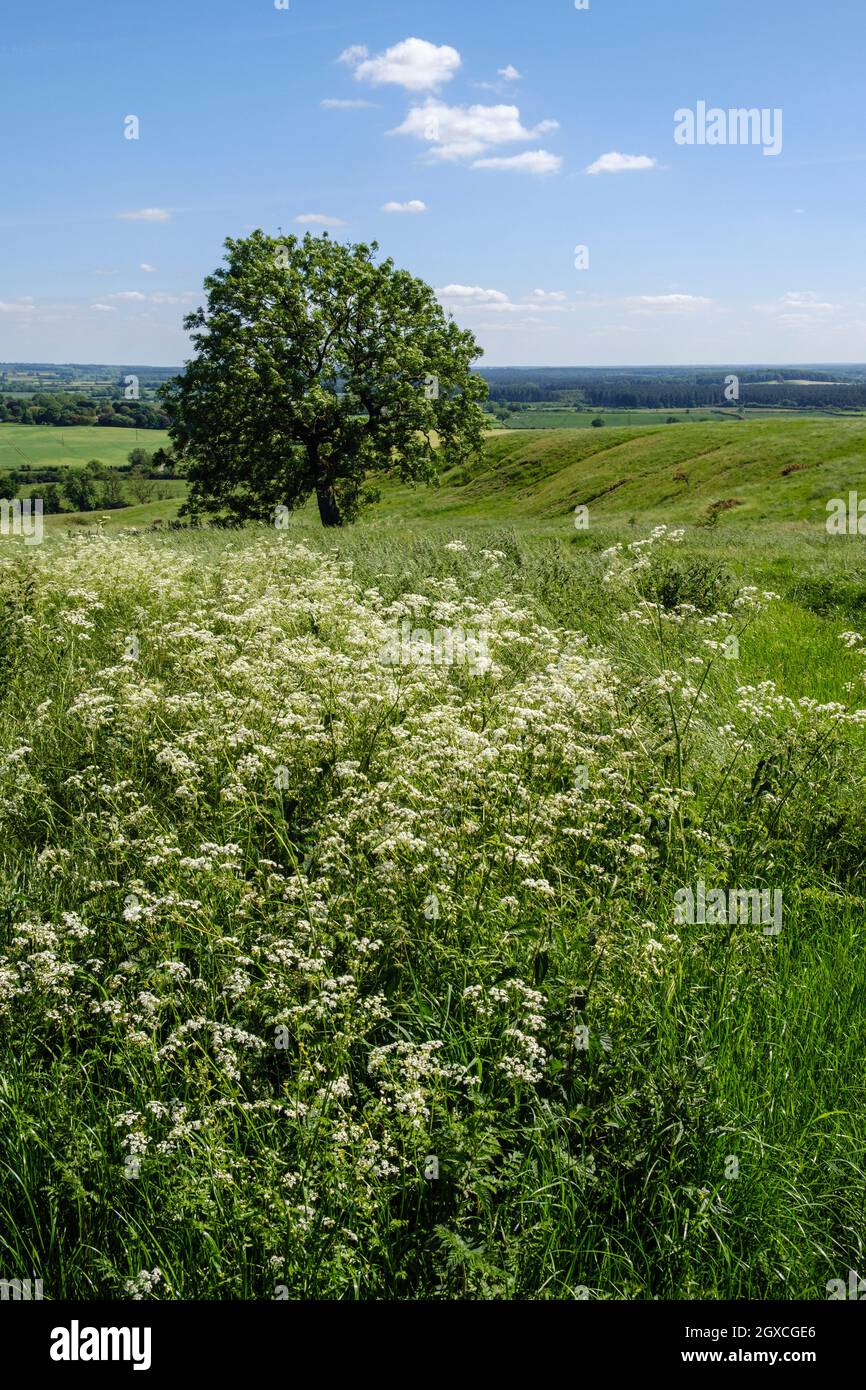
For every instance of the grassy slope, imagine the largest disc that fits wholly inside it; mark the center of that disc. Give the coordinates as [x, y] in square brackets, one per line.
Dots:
[630, 472]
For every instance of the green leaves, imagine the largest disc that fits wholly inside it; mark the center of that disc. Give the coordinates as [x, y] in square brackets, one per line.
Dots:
[313, 368]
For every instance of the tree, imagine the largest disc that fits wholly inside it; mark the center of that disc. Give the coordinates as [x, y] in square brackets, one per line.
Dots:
[51, 503]
[111, 495]
[163, 460]
[597, 422]
[139, 485]
[140, 458]
[80, 491]
[315, 367]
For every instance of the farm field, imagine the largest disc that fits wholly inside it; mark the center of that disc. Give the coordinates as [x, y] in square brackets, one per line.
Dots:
[550, 417]
[24, 380]
[536, 417]
[326, 972]
[50, 446]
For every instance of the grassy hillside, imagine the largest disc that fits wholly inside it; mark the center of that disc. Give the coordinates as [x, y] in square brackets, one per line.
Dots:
[783, 471]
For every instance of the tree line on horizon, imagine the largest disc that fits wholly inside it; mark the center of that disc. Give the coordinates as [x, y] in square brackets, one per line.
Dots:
[63, 408]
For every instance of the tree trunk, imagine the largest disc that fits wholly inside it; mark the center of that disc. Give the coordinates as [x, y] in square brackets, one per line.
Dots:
[329, 510]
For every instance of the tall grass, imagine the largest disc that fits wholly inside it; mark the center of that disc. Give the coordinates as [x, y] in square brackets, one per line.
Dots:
[322, 977]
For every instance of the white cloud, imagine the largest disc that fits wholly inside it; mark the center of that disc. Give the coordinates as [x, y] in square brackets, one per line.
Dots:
[798, 307]
[145, 215]
[667, 303]
[127, 294]
[352, 56]
[414, 64]
[615, 163]
[160, 297]
[506, 75]
[414, 205]
[319, 219]
[471, 294]
[21, 306]
[105, 308]
[336, 104]
[150, 269]
[805, 300]
[475, 297]
[461, 132]
[532, 162]
[105, 272]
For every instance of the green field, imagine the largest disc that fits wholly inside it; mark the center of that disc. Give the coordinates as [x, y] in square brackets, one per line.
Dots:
[47, 446]
[325, 976]
[544, 416]
[556, 417]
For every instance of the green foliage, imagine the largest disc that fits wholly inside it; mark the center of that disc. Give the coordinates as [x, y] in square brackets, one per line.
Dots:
[60, 408]
[52, 503]
[141, 459]
[313, 368]
[139, 485]
[715, 509]
[677, 387]
[111, 495]
[707, 584]
[80, 489]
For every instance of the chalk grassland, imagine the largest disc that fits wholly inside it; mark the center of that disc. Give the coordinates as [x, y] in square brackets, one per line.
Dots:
[781, 471]
[324, 977]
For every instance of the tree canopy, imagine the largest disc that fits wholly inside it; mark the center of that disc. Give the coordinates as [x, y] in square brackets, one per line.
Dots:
[315, 367]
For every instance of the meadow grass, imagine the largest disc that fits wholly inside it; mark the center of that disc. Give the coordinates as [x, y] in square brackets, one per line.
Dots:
[328, 978]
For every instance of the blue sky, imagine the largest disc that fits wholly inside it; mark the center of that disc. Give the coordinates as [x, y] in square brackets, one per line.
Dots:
[490, 120]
